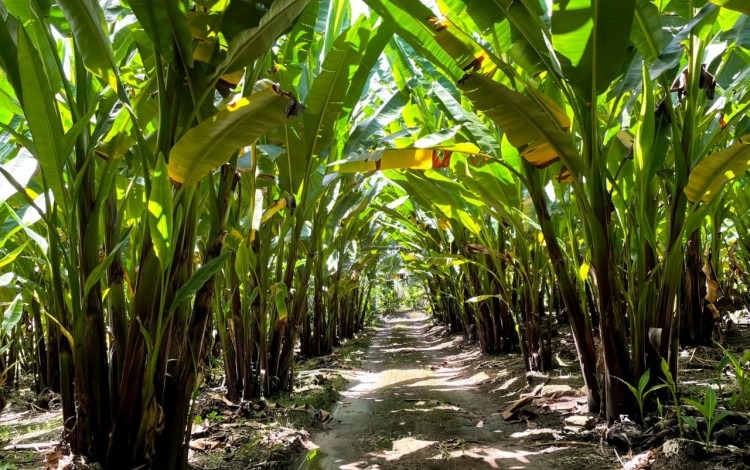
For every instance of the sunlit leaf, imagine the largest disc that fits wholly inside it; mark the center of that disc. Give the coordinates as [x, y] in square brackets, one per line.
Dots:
[12, 314]
[252, 43]
[591, 38]
[743, 6]
[711, 173]
[160, 213]
[42, 116]
[21, 169]
[87, 23]
[211, 143]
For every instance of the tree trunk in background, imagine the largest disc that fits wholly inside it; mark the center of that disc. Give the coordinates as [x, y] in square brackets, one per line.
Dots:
[191, 347]
[692, 313]
[92, 369]
[616, 358]
[116, 306]
[533, 333]
[233, 342]
[580, 327]
[40, 350]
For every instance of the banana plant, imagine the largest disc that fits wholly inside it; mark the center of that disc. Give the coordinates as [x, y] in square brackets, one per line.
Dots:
[115, 147]
[581, 62]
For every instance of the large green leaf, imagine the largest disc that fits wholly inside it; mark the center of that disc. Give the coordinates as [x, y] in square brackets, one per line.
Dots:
[165, 22]
[539, 133]
[389, 111]
[252, 43]
[160, 213]
[87, 23]
[361, 78]
[711, 173]
[447, 197]
[673, 52]
[591, 38]
[491, 183]
[8, 259]
[408, 19]
[21, 169]
[198, 279]
[9, 51]
[326, 97]
[647, 30]
[293, 161]
[296, 51]
[238, 16]
[743, 6]
[98, 272]
[42, 116]
[295, 75]
[12, 314]
[535, 125]
[211, 143]
[478, 130]
[511, 26]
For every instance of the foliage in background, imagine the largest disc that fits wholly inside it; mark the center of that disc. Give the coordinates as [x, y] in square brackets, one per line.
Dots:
[278, 170]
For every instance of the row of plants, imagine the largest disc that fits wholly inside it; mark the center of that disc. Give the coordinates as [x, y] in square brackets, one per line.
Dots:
[613, 139]
[265, 169]
[161, 179]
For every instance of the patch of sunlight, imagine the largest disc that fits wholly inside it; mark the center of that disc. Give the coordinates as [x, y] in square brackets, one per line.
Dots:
[402, 447]
[372, 381]
[418, 318]
[437, 347]
[573, 39]
[444, 407]
[490, 455]
[362, 465]
[531, 432]
[437, 381]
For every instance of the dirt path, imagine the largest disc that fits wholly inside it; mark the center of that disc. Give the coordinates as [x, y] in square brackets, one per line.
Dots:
[418, 405]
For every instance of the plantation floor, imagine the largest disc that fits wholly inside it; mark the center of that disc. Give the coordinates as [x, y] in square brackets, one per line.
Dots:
[416, 398]
[424, 402]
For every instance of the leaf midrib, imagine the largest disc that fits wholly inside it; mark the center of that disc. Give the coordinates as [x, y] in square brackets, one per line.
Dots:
[218, 142]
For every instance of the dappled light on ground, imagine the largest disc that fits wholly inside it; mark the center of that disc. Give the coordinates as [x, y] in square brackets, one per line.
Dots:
[421, 402]
[403, 447]
[491, 456]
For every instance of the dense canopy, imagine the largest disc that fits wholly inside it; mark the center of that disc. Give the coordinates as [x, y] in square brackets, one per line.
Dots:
[251, 177]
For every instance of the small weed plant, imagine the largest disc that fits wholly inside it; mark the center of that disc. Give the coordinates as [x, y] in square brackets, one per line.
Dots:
[672, 387]
[708, 410]
[739, 369]
[641, 392]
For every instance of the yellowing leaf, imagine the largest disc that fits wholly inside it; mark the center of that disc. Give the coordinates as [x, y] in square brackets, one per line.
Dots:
[210, 144]
[281, 291]
[708, 176]
[411, 158]
[583, 271]
[743, 6]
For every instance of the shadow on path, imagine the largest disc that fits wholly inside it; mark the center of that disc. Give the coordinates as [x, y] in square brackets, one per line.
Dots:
[417, 405]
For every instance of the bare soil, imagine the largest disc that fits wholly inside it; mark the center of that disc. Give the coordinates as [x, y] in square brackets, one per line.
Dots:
[427, 401]
[407, 395]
